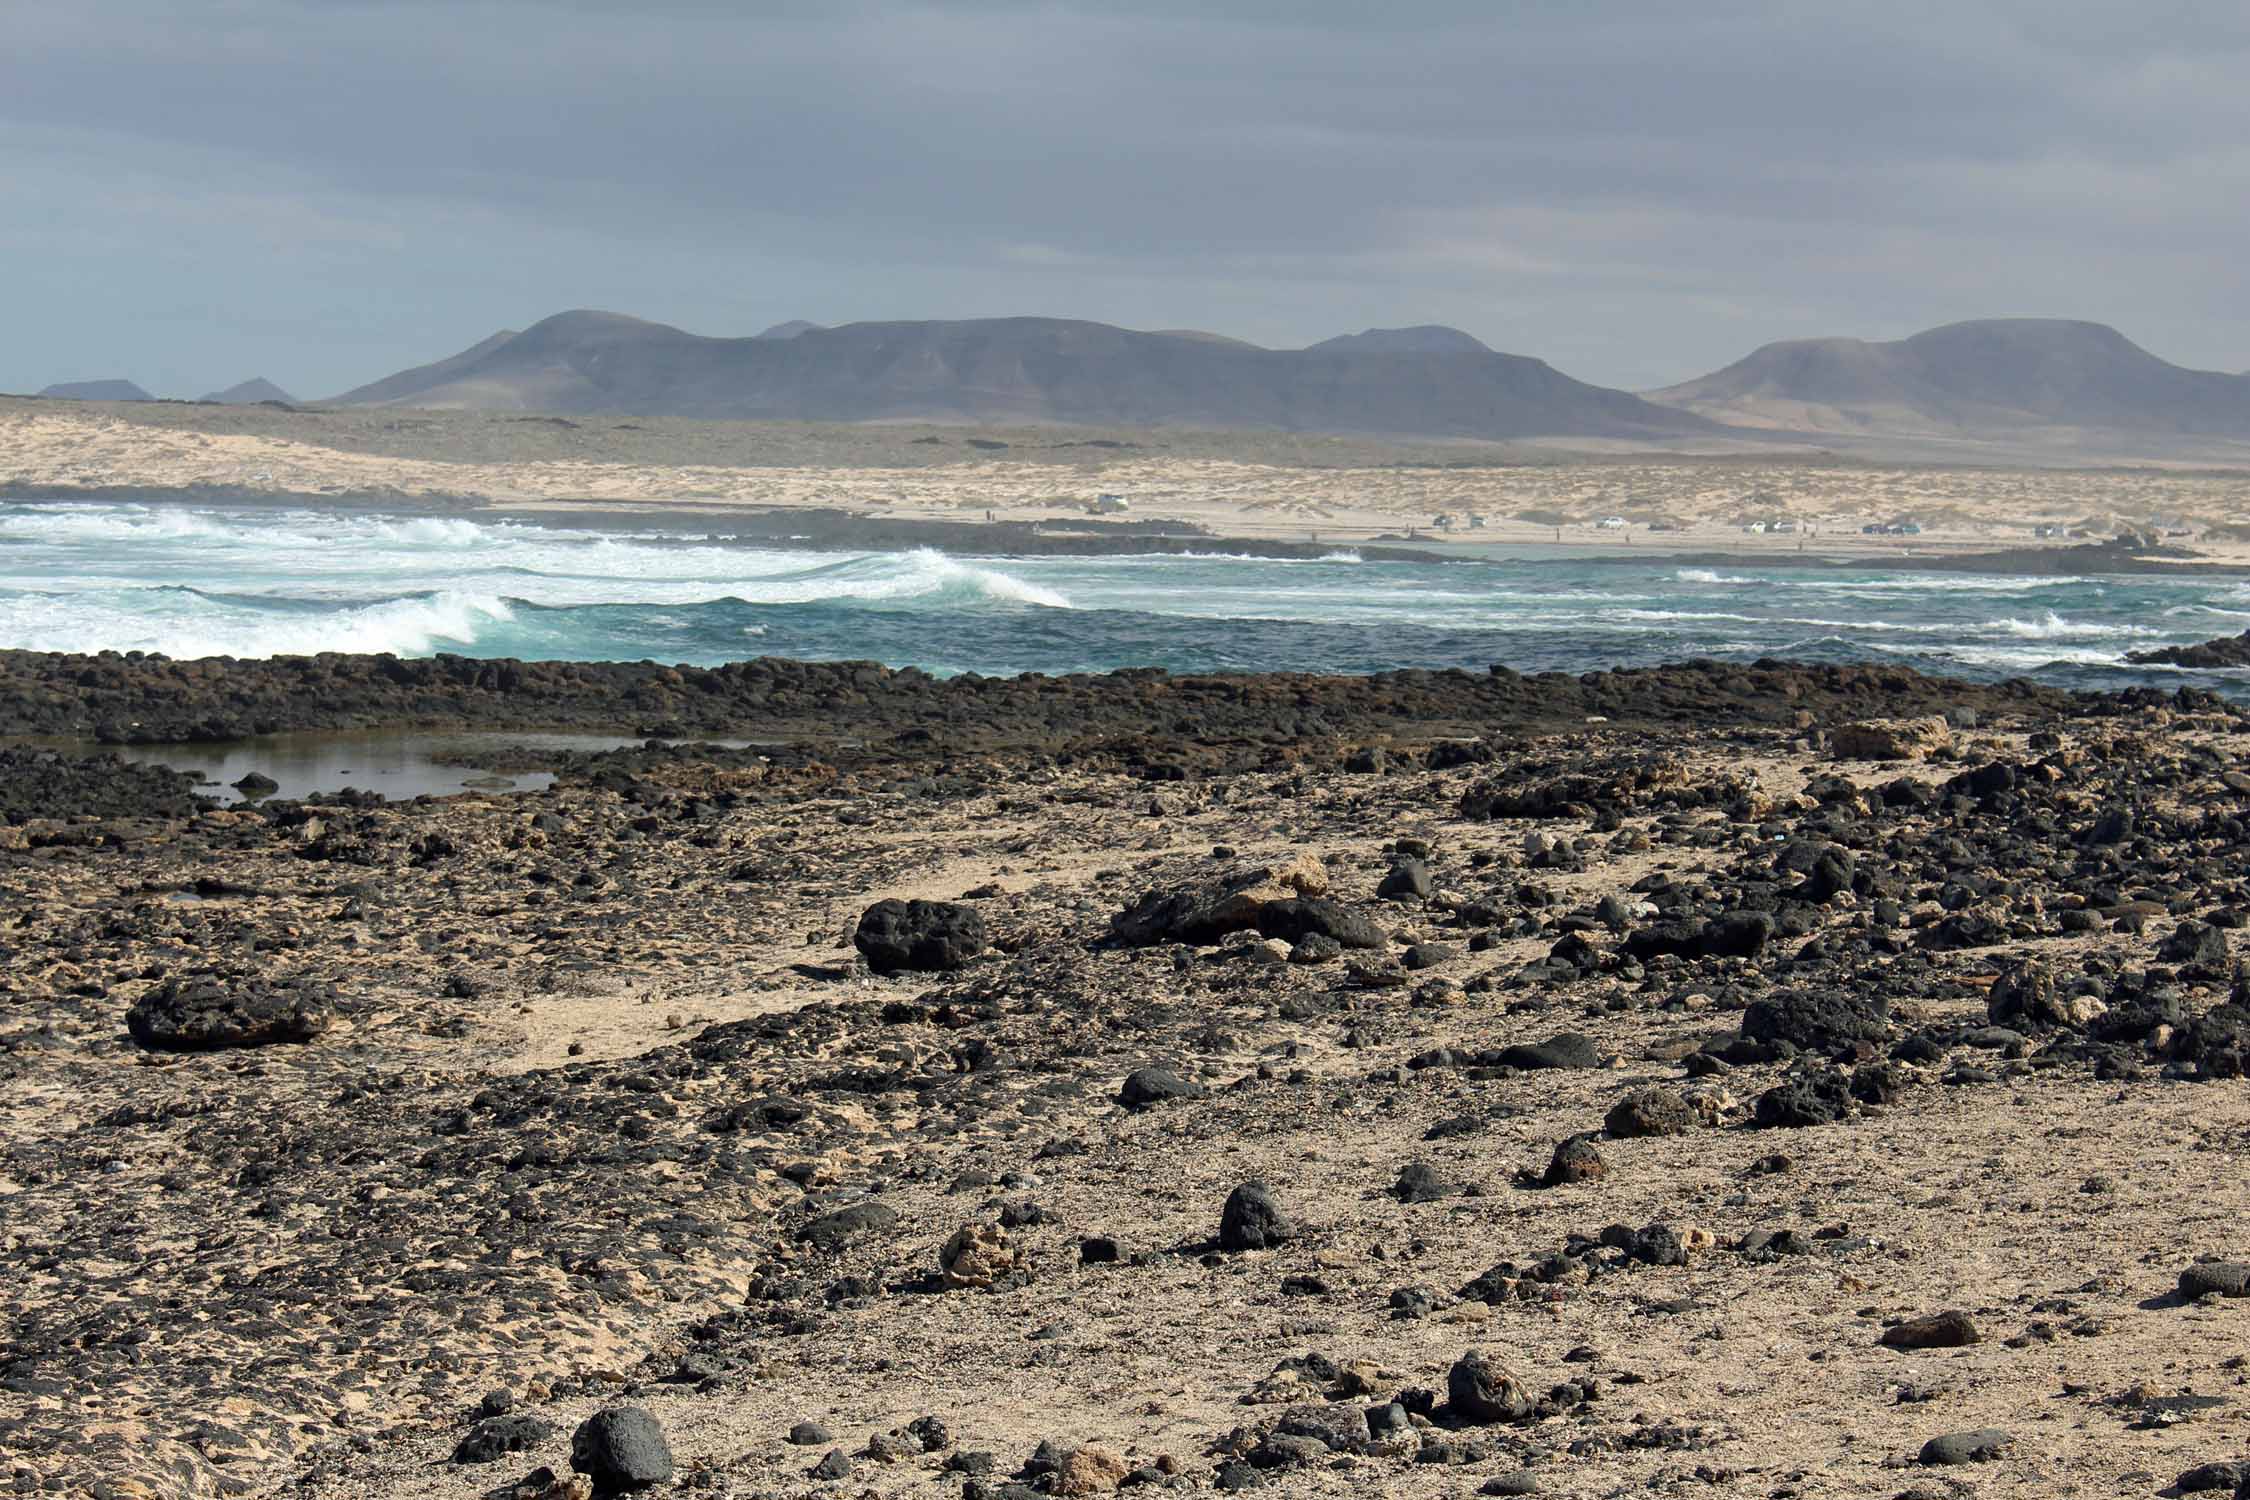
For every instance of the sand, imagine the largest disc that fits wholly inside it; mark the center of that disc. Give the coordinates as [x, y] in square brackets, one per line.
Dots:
[1271, 486]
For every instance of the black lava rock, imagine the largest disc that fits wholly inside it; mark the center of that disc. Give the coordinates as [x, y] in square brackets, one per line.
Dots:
[1805, 1098]
[1252, 1220]
[203, 1012]
[833, 1230]
[1569, 1049]
[621, 1448]
[924, 937]
[495, 1438]
[1145, 1088]
[1482, 1390]
[1419, 1182]
[1409, 880]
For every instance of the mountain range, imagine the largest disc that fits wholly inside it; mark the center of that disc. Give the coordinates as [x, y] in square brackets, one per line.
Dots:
[2008, 389]
[95, 390]
[1427, 382]
[1998, 375]
[250, 393]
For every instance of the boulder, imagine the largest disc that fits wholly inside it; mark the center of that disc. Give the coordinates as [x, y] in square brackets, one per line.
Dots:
[921, 937]
[203, 1012]
[1820, 1097]
[1966, 1447]
[1890, 739]
[621, 1448]
[1482, 1390]
[2028, 997]
[1252, 1220]
[1568, 1049]
[1089, 1471]
[1649, 1112]
[495, 1438]
[1144, 1088]
[2216, 1278]
[834, 1230]
[1575, 1160]
[1210, 911]
[977, 1255]
[1826, 1021]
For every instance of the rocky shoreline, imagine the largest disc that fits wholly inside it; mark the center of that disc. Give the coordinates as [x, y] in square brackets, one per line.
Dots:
[1788, 1080]
[136, 698]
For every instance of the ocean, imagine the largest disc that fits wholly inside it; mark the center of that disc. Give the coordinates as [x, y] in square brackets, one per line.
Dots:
[200, 581]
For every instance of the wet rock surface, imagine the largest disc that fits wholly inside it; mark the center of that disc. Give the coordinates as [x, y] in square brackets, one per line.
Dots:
[589, 1102]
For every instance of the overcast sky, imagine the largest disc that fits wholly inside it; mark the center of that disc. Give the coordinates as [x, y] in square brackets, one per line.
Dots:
[1638, 191]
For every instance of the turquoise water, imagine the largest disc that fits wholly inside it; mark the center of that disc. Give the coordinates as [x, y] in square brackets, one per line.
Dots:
[194, 582]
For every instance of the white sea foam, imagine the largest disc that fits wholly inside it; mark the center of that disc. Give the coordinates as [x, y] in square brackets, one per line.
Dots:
[2053, 627]
[193, 625]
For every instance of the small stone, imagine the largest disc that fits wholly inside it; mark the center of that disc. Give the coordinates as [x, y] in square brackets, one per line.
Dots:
[809, 1435]
[931, 1432]
[1099, 1250]
[834, 1466]
[1409, 880]
[1338, 1426]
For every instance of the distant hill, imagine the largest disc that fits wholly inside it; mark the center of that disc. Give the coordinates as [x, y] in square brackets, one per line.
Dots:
[250, 393]
[96, 390]
[1021, 370]
[395, 389]
[790, 329]
[1995, 378]
[1428, 338]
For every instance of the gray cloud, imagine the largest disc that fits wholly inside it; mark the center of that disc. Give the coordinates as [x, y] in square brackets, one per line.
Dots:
[1637, 191]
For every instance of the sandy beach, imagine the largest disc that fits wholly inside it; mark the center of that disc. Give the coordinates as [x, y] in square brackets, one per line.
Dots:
[1305, 490]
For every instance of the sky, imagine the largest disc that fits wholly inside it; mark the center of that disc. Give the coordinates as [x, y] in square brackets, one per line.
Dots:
[1637, 191]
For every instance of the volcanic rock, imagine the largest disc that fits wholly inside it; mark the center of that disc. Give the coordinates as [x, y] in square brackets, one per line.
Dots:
[201, 1012]
[1945, 1330]
[977, 1255]
[1482, 1390]
[1575, 1160]
[1145, 1088]
[926, 937]
[1966, 1447]
[2216, 1278]
[1650, 1112]
[1252, 1220]
[621, 1448]
[1890, 739]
